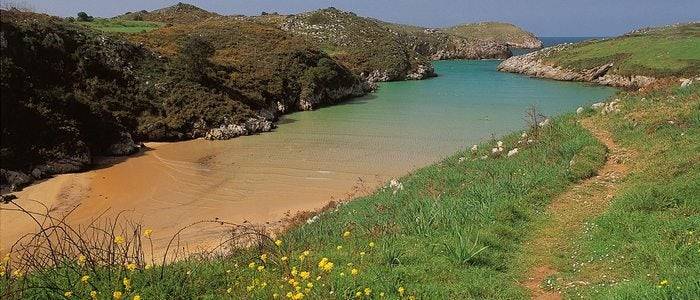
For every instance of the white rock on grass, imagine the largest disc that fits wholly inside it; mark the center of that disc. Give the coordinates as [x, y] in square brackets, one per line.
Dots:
[475, 148]
[544, 123]
[579, 110]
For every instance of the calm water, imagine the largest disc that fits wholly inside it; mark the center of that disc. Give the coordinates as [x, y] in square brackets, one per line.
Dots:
[313, 157]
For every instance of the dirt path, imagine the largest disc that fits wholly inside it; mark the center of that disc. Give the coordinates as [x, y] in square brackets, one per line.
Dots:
[569, 212]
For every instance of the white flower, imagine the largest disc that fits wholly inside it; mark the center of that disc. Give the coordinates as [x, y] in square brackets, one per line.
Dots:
[513, 152]
[523, 135]
[499, 144]
[475, 148]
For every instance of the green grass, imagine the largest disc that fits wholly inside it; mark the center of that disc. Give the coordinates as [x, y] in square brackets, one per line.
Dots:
[650, 233]
[123, 26]
[673, 51]
[452, 232]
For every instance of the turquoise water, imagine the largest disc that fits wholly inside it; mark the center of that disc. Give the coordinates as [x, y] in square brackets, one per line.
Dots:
[422, 121]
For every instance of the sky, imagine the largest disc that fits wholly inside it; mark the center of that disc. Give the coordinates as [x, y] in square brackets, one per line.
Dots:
[542, 17]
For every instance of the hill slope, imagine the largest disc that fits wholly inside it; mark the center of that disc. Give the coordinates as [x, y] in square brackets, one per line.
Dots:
[69, 92]
[632, 60]
[180, 13]
[497, 32]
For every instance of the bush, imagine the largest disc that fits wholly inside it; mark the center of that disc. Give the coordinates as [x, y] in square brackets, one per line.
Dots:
[84, 17]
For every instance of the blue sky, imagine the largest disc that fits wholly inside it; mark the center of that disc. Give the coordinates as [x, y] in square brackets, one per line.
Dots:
[543, 17]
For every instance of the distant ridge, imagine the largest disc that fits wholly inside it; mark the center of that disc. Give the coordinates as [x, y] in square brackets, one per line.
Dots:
[179, 13]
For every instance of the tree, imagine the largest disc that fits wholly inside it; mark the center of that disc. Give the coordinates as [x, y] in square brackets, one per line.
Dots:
[84, 17]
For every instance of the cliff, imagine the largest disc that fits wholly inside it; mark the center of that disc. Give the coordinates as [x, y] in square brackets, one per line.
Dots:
[629, 61]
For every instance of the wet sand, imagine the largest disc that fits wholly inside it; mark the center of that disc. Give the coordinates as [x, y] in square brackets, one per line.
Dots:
[311, 159]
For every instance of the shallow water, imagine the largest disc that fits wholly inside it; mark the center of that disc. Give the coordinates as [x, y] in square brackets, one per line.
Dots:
[313, 157]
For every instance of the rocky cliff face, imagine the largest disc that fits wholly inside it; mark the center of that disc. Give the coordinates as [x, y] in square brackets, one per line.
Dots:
[532, 64]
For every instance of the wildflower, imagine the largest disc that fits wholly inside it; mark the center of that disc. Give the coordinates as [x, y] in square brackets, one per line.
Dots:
[318, 278]
[251, 265]
[260, 268]
[289, 295]
[6, 258]
[304, 275]
[284, 258]
[249, 288]
[301, 257]
[354, 271]
[136, 297]
[362, 253]
[664, 282]
[275, 295]
[367, 291]
[346, 234]
[475, 148]
[371, 244]
[342, 274]
[93, 295]
[309, 285]
[84, 279]
[294, 271]
[298, 296]
[358, 294]
[381, 294]
[229, 290]
[117, 295]
[512, 152]
[188, 272]
[339, 247]
[81, 260]
[147, 233]
[306, 253]
[17, 273]
[131, 266]
[147, 267]
[119, 240]
[401, 291]
[263, 257]
[68, 294]
[127, 283]
[278, 243]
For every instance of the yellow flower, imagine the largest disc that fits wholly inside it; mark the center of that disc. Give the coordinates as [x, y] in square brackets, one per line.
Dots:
[411, 297]
[346, 234]
[294, 271]
[371, 244]
[275, 295]
[306, 253]
[130, 266]
[136, 297]
[251, 265]
[318, 278]
[147, 233]
[17, 273]
[68, 294]
[354, 271]
[147, 267]
[401, 290]
[278, 243]
[93, 295]
[381, 294]
[119, 240]
[284, 258]
[249, 288]
[339, 247]
[342, 274]
[305, 275]
[263, 257]
[664, 282]
[81, 260]
[358, 294]
[362, 253]
[117, 295]
[368, 291]
[84, 279]
[309, 285]
[229, 290]
[260, 268]
[301, 257]
[127, 283]
[6, 258]
[298, 296]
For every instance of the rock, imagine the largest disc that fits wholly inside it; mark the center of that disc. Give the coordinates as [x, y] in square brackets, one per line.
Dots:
[125, 146]
[422, 72]
[226, 132]
[686, 82]
[14, 180]
[544, 123]
[579, 110]
[597, 105]
[7, 198]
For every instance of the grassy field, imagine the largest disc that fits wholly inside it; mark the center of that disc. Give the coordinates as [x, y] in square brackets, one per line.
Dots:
[647, 244]
[669, 51]
[124, 26]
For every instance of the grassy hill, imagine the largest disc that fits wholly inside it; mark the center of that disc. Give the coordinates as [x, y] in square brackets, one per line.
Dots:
[122, 26]
[180, 13]
[660, 52]
[497, 32]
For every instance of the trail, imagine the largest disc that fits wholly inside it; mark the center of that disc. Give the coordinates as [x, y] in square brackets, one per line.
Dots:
[569, 212]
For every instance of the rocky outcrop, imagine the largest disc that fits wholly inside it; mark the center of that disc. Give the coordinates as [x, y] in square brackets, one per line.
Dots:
[252, 126]
[463, 49]
[532, 64]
